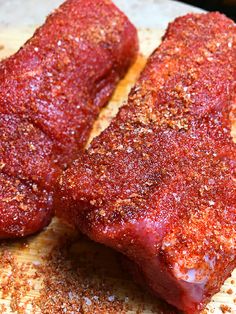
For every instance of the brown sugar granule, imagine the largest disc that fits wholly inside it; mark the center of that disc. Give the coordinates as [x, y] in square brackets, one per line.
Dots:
[225, 308]
[230, 291]
[3, 308]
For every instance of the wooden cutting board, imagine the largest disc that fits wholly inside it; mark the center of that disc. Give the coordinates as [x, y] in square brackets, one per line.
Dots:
[35, 278]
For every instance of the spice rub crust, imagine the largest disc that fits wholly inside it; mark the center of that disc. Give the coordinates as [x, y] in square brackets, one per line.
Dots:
[159, 183]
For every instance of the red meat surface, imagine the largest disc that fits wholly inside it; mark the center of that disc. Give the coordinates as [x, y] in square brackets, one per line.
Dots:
[159, 183]
[51, 92]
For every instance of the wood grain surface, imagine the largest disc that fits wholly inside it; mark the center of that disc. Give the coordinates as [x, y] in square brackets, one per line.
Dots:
[106, 266]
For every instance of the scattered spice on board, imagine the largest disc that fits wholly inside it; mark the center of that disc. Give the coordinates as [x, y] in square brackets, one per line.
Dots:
[225, 308]
[64, 286]
[69, 288]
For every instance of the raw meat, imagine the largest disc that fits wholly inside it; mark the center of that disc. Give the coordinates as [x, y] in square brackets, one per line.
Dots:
[51, 91]
[159, 183]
